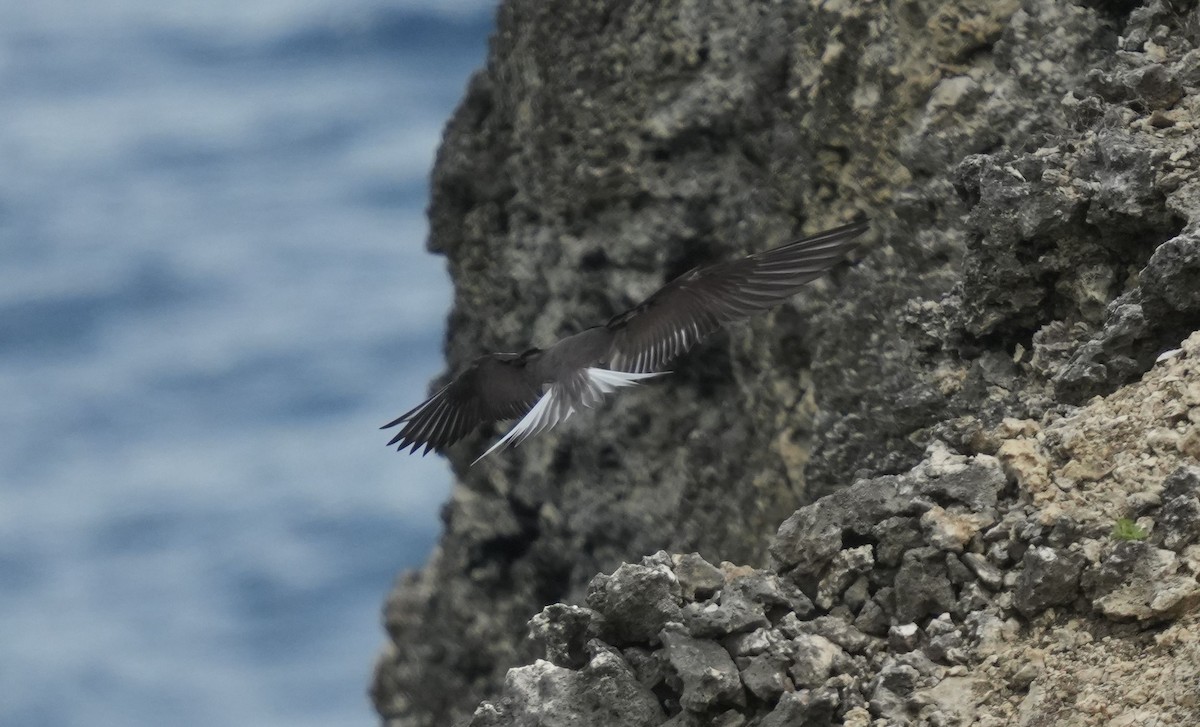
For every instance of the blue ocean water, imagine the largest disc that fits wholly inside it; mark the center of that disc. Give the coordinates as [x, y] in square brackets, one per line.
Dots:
[213, 290]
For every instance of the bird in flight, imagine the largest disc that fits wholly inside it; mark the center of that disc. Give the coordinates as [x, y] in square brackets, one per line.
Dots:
[544, 387]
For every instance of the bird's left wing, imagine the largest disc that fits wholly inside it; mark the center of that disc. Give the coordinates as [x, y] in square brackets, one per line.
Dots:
[494, 387]
[695, 304]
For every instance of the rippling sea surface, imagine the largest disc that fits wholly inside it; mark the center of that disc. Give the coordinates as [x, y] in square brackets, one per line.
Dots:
[213, 290]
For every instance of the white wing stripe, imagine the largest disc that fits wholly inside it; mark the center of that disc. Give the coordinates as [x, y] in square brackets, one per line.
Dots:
[617, 379]
[555, 406]
[522, 426]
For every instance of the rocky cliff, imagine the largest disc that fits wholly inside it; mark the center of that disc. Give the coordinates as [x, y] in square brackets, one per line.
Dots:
[1009, 523]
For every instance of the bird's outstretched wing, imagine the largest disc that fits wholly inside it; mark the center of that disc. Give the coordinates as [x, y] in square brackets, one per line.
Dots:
[494, 387]
[682, 312]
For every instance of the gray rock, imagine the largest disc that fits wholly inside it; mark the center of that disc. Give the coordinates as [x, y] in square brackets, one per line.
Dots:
[743, 604]
[810, 538]
[686, 719]
[857, 595]
[1135, 580]
[728, 718]
[941, 625]
[754, 642]
[987, 573]
[636, 601]
[896, 535]
[885, 597]
[844, 569]
[919, 661]
[770, 591]
[972, 597]
[813, 658]
[1171, 280]
[952, 701]
[1153, 86]
[947, 649]
[897, 677]
[958, 573]
[904, 637]
[1063, 533]
[1183, 482]
[945, 642]
[1024, 676]
[1116, 567]
[766, 677]
[659, 559]
[604, 693]
[698, 578]
[974, 483]
[1049, 578]
[998, 553]
[707, 674]
[886, 704]
[1100, 363]
[922, 585]
[1178, 521]
[564, 631]
[779, 595]
[986, 631]
[647, 665]
[733, 614]
[808, 708]
[1122, 349]
[832, 628]
[872, 620]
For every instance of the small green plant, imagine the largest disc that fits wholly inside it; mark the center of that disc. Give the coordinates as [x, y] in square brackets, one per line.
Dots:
[1126, 529]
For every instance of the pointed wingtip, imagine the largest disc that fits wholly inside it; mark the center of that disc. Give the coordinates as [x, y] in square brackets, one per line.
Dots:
[500, 444]
[855, 229]
[398, 420]
[846, 231]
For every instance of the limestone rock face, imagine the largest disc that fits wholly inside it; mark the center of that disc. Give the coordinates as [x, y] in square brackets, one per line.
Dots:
[1031, 170]
[1090, 625]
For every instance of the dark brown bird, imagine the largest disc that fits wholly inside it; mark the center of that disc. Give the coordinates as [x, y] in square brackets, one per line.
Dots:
[546, 386]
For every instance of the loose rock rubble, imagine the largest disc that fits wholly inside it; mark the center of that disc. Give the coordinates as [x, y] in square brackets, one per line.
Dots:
[973, 590]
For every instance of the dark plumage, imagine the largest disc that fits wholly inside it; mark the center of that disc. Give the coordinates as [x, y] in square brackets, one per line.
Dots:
[545, 386]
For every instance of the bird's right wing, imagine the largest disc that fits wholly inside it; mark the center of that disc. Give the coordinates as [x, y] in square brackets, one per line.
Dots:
[682, 312]
[494, 387]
